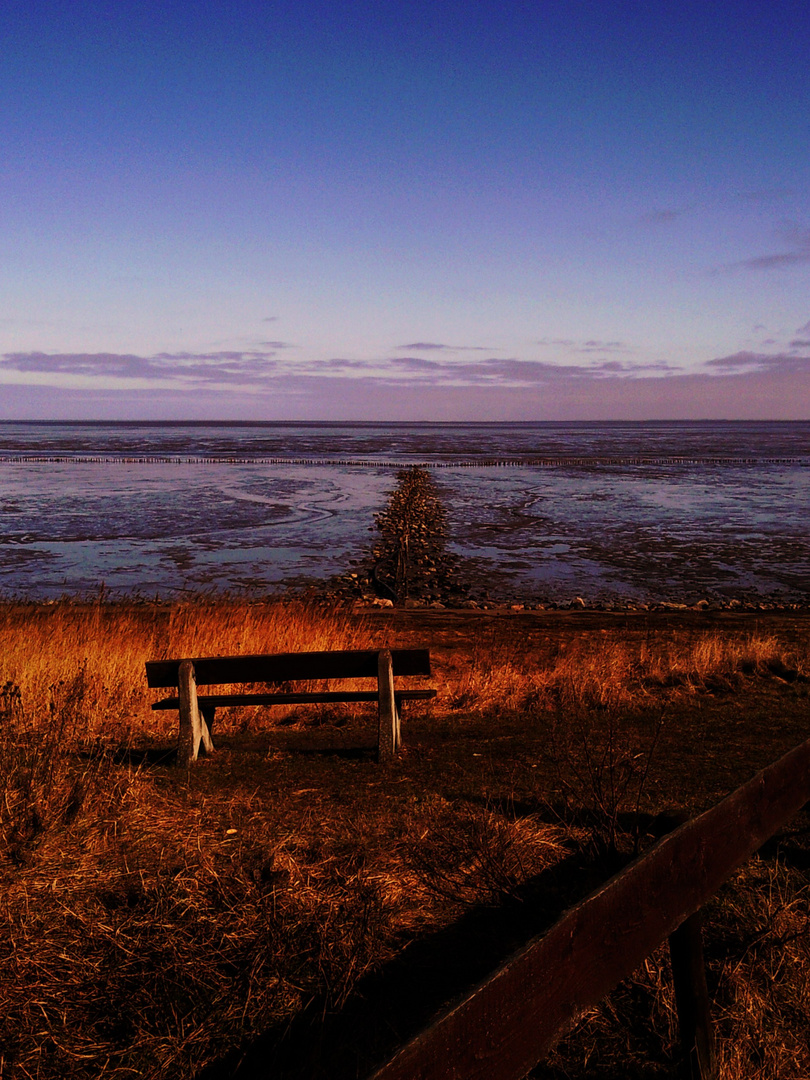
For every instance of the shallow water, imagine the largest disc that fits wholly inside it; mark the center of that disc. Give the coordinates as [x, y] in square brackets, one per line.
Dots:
[693, 510]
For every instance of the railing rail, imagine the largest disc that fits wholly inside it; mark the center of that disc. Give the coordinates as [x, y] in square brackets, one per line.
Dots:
[515, 1016]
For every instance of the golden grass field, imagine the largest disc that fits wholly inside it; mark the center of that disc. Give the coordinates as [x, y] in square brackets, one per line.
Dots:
[289, 893]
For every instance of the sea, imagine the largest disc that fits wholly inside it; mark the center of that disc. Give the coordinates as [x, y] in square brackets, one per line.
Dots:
[537, 512]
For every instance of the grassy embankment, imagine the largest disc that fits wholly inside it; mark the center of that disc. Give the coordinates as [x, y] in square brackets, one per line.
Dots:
[153, 922]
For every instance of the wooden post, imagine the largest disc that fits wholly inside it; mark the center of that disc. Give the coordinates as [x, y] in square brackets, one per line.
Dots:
[388, 740]
[692, 1000]
[689, 979]
[190, 720]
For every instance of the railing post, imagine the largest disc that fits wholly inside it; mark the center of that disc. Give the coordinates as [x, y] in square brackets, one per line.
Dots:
[691, 993]
[692, 1000]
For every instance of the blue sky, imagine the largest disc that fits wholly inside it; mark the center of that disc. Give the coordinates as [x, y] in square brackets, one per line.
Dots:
[548, 210]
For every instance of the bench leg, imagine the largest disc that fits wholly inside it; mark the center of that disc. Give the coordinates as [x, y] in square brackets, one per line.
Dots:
[207, 727]
[388, 741]
[193, 728]
[397, 722]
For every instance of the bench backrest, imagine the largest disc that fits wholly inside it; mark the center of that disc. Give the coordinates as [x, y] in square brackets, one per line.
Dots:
[288, 667]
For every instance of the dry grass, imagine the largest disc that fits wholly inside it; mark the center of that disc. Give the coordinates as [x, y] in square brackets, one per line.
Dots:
[49, 646]
[598, 670]
[756, 941]
[153, 920]
[761, 929]
[473, 856]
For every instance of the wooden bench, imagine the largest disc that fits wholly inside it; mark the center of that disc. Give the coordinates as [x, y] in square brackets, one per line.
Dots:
[197, 710]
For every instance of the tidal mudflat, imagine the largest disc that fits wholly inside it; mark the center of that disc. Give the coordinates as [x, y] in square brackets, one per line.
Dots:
[540, 513]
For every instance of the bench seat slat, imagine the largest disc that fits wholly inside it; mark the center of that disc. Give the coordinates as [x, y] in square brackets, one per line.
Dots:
[223, 700]
[288, 667]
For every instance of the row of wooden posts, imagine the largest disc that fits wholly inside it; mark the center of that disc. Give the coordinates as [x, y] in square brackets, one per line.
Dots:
[365, 463]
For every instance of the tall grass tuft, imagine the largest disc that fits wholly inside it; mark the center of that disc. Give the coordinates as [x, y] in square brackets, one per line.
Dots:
[103, 647]
[595, 671]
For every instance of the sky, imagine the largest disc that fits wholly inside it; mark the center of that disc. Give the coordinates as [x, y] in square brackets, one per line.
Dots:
[369, 209]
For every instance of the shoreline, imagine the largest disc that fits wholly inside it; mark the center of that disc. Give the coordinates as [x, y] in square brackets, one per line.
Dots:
[380, 606]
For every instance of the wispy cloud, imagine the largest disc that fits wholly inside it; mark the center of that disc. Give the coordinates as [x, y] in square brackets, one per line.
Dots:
[262, 368]
[602, 346]
[742, 363]
[270, 318]
[797, 254]
[416, 363]
[589, 345]
[621, 367]
[426, 346]
[530, 372]
[189, 367]
[779, 259]
[661, 217]
[752, 384]
[489, 371]
[263, 372]
[341, 363]
[766, 194]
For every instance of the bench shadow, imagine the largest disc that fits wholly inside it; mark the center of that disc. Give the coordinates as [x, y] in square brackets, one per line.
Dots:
[135, 756]
[167, 756]
[350, 753]
[323, 741]
[147, 756]
[396, 1002]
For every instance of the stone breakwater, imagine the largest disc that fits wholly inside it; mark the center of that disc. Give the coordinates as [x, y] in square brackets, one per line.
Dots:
[409, 561]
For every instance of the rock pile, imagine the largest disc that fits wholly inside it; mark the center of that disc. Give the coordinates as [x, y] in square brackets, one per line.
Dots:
[409, 562]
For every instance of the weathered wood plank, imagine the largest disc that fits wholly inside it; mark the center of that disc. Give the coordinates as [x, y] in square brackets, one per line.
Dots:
[388, 741]
[288, 667]
[512, 1019]
[326, 697]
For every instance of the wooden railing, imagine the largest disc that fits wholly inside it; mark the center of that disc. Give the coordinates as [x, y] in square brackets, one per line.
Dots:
[515, 1016]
